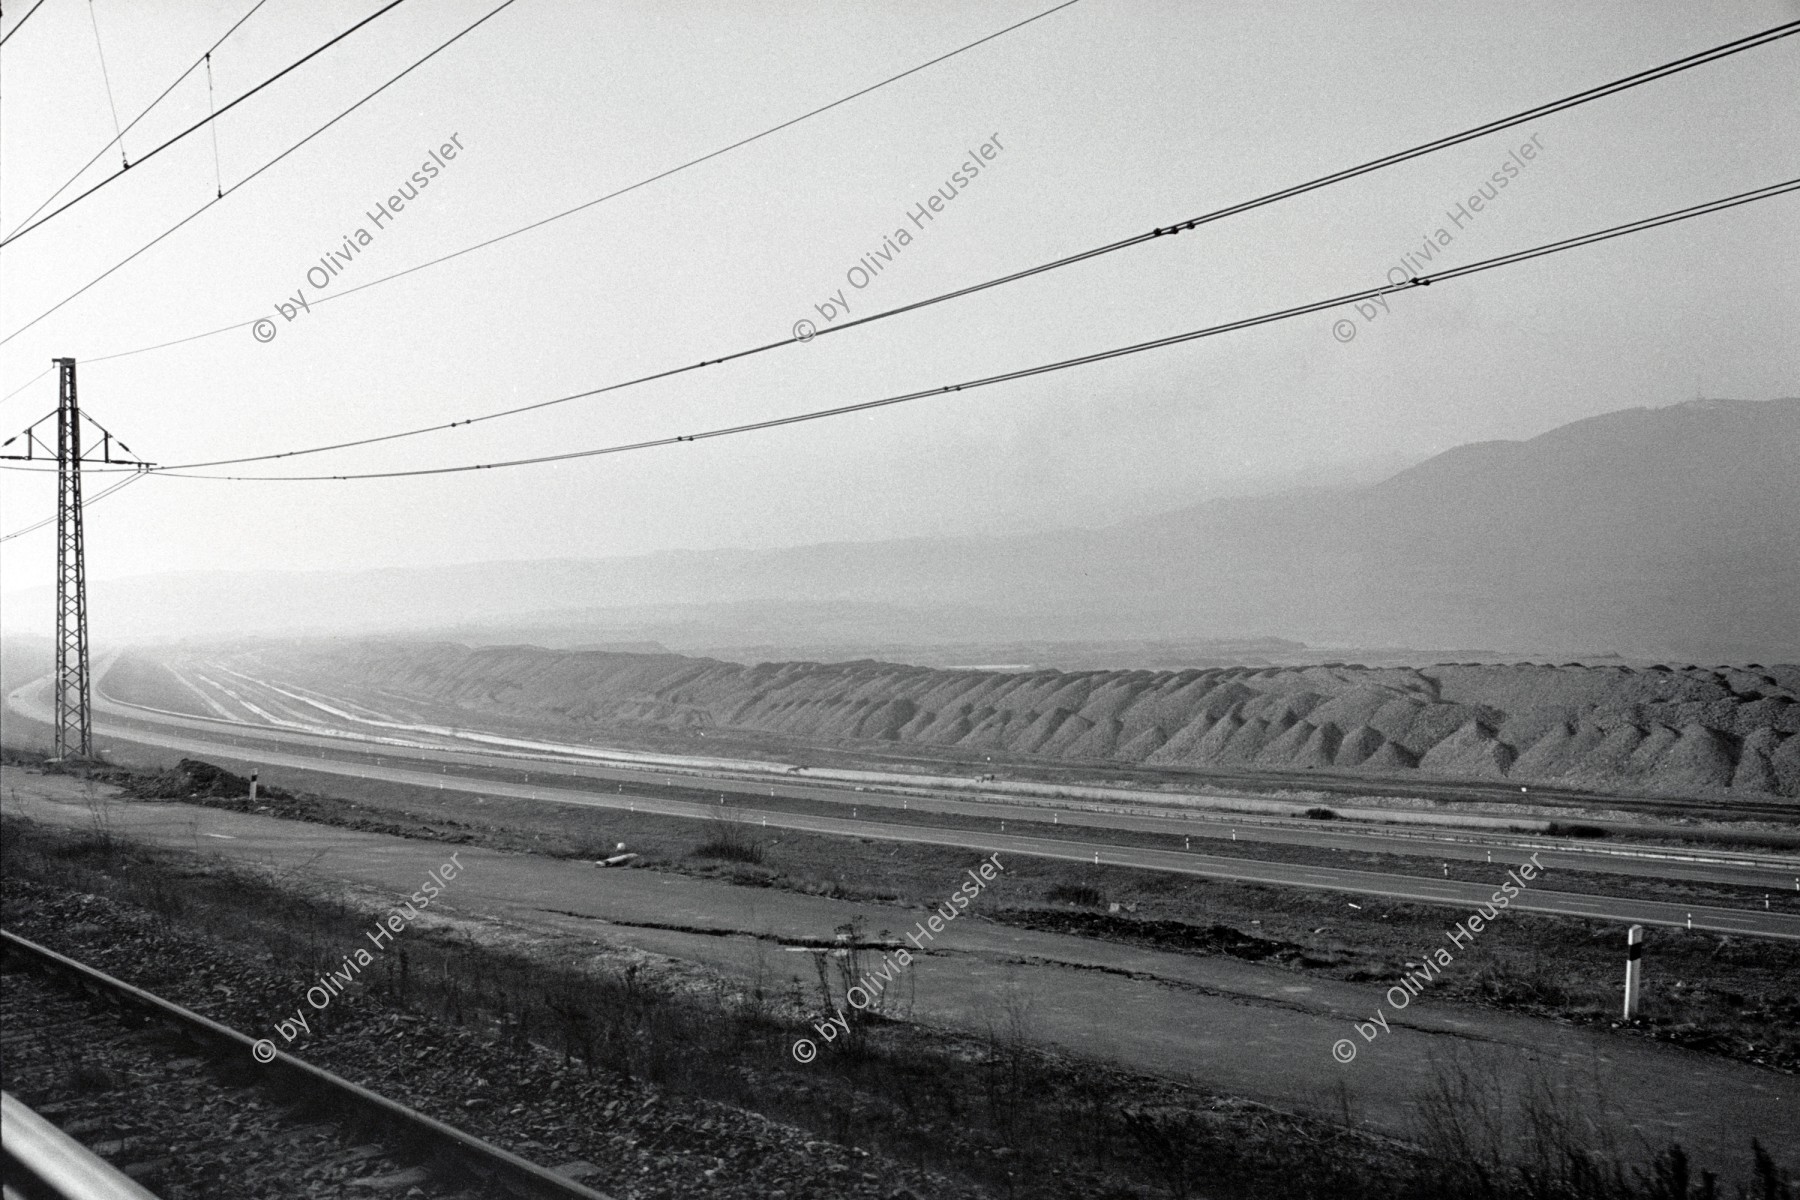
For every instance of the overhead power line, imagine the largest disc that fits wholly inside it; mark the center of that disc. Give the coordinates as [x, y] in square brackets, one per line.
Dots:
[1322, 181]
[48, 200]
[27, 383]
[21, 21]
[211, 117]
[1587, 239]
[106, 77]
[417, 63]
[218, 175]
[96, 498]
[612, 195]
[1445, 276]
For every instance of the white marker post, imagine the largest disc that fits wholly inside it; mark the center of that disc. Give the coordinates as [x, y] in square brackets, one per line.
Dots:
[253, 785]
[1634, 952]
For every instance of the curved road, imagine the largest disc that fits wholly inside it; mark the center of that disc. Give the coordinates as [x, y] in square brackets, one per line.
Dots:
[205, 736]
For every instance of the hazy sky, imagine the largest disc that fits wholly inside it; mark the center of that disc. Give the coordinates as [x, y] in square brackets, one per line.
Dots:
[1111, 118]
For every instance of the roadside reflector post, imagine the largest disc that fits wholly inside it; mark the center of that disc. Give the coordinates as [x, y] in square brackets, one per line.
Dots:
[253, 785]
[1634, 953]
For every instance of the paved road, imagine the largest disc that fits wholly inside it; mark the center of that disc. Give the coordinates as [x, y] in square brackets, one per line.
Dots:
[1422, 833]
[1242, 1028]
[208, 738]
[1259, 779]
[1772, 871]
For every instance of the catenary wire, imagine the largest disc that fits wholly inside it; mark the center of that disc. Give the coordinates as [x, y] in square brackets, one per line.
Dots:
[417, 63]
[608, 196]
[1708, 207]
[48, 200]
[1056, 264]
[16, 234]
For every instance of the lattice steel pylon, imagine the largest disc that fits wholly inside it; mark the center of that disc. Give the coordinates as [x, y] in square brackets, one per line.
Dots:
[74, 721]
[74, 725]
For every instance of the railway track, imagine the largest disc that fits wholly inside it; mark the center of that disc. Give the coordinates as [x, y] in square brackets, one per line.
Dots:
[185, 1102]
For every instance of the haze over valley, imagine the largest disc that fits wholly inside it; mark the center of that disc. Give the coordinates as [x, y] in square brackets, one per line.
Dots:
[1034, 600]
[1656, 534]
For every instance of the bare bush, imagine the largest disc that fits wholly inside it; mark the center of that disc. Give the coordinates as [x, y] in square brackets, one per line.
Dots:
[729, 839]
[1084, 894]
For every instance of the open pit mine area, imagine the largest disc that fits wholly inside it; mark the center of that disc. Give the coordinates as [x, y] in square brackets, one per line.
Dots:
[1721, 734]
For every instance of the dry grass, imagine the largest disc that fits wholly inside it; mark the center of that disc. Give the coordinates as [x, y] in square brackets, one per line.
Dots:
[998, 1109]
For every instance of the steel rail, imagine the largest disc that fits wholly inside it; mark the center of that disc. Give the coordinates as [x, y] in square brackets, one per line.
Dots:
[38, 1161]
[439, 1146]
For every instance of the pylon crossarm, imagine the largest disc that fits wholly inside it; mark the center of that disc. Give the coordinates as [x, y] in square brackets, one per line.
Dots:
[32, 441]
[106, 443]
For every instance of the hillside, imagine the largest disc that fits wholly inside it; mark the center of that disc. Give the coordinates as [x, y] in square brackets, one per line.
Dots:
[1687, 731]
[1667, 534]
[23, 659]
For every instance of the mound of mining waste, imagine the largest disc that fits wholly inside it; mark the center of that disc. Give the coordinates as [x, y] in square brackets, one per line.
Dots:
[1688, 730]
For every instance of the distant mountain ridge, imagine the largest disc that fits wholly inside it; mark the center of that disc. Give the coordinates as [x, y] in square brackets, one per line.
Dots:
[1669, 534]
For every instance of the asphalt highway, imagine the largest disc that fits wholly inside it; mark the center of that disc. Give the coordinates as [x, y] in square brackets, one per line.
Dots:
[347, 740]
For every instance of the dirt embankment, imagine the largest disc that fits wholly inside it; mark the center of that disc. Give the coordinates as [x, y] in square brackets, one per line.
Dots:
[1689, 730]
